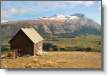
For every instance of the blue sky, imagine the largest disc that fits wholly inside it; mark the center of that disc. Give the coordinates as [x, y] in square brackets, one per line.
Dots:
[25, 10]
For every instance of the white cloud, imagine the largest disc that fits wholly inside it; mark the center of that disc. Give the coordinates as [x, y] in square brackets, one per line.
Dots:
[7, 13]
[3, 14]
[88, 3]
[18, 11]
[63, 3]
[3, 21]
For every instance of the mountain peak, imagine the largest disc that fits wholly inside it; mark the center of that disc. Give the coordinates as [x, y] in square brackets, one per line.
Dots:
[76, 15]
[75, 24]
[63, 17]
[55, 17]
[59, 15]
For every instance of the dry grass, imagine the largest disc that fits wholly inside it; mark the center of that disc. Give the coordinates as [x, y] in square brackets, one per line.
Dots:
[56, 60]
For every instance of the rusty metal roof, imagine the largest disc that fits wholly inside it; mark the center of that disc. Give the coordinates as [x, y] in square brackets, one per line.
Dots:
[32, 34]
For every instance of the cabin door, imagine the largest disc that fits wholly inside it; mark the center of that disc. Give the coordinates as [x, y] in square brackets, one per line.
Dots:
[29, 50]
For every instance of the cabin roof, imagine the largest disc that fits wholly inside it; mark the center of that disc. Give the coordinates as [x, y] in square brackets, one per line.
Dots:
[32, 34]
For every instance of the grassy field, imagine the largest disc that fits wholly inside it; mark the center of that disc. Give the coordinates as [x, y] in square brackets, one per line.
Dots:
[56, 60]
[81, 42]
[90, 43]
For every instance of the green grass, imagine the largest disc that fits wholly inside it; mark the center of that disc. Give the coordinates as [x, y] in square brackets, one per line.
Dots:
[82, 41]
[4, 40]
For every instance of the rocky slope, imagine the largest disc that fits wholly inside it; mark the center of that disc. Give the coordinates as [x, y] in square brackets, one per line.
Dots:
[57, 25]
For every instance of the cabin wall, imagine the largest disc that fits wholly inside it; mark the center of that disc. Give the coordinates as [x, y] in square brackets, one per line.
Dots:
[22, 43]
[38, 48]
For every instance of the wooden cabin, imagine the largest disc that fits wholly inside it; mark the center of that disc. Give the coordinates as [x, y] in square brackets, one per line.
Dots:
[27, 41]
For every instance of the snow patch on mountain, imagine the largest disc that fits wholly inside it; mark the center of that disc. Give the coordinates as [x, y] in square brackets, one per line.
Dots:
[60, 17]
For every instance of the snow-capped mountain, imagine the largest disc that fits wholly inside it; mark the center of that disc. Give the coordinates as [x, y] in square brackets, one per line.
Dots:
[61, 17]
[58, 24]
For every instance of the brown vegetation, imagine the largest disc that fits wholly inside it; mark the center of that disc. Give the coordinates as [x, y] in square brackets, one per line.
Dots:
[56, 60]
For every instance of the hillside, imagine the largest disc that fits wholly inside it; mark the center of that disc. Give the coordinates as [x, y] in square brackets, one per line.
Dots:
[57, 25]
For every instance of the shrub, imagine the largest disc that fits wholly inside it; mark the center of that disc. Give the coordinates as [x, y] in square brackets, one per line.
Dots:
[55, 48]
[62, 49]
[50, 47]
[47, 46]
[4, 48]
[88, 49]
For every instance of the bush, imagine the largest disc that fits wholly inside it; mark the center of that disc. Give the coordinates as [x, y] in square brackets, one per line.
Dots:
[47, 46]
[76, 49]
[50, 47]
[62, 49]
[4, 48]
[55, 48]
[88, 49]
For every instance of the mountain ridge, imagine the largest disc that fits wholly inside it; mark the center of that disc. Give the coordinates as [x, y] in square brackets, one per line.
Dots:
[75, 24]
